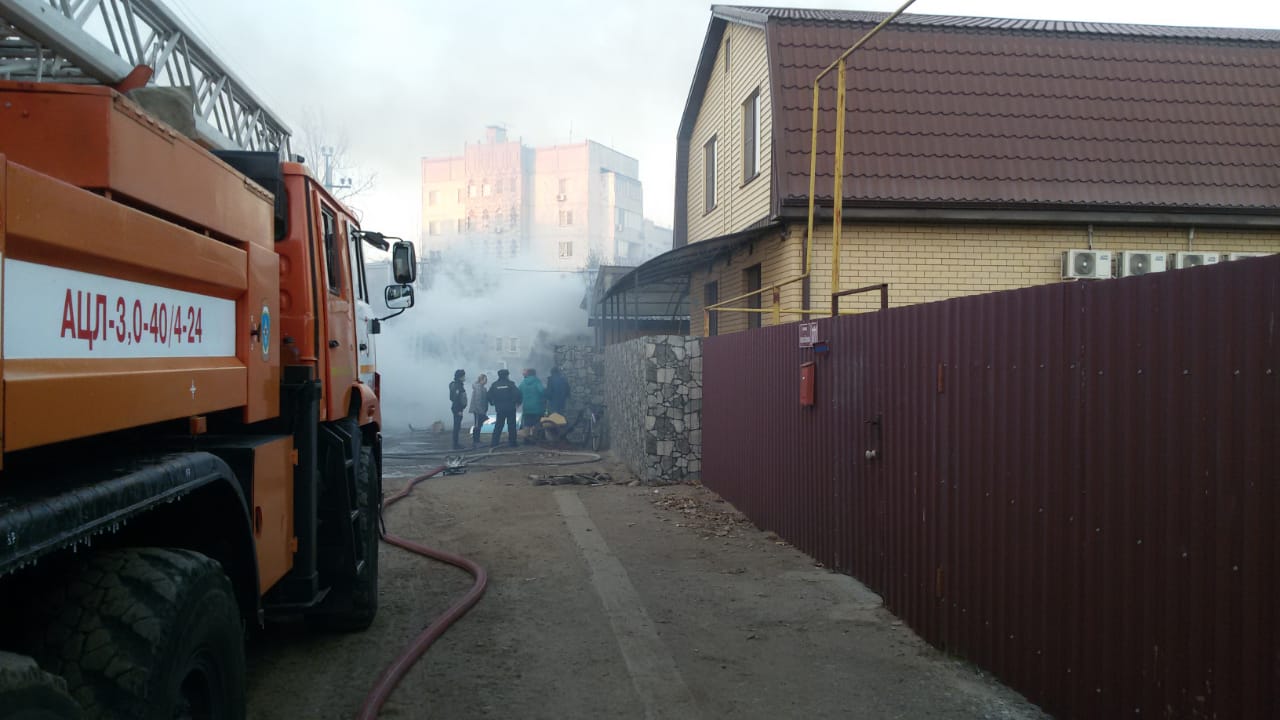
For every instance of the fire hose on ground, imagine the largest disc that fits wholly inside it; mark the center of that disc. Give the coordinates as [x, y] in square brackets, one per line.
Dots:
[396, 671]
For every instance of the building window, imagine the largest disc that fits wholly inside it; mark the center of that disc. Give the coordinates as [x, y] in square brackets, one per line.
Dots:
[513, 346]
[497, 186]
[486, 189]
[459, 196]
[709, 172]
[566, 248]
[711, 296]
[513, 216]
[726, 56]
[751, 137]
[471, 189]
[751, 278]
[620, 220]
[566, 217]
[564, 186]
[460, 225]
[499, 345]
[471, 221]
[433, 227]
[497, 220]
[433, 197]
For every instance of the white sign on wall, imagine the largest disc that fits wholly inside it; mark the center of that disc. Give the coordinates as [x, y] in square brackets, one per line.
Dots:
[808, 334]
[53, 313]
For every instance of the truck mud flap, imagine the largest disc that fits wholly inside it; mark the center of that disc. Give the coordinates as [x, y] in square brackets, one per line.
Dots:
[64, 510]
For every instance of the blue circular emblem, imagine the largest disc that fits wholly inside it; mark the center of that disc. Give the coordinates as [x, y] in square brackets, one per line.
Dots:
[266, 332]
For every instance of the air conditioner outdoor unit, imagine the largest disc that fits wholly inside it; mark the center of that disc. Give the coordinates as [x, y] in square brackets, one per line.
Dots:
[1086, 264]
[1140, 262]
[1194, 259]
[1245, 255]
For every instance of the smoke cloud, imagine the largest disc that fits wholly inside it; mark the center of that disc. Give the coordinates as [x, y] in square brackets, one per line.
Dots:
[464, 304]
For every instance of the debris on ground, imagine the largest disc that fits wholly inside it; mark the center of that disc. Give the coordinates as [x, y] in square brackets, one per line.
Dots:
[594, 478]
[704, 512]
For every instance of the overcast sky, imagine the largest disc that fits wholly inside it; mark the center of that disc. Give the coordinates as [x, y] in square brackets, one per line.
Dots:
[404, 79]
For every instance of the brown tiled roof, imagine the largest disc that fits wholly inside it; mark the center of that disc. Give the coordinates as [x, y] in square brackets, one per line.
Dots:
[962, 112]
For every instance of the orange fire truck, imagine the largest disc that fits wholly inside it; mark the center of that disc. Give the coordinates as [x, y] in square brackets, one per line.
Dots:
[190, 407]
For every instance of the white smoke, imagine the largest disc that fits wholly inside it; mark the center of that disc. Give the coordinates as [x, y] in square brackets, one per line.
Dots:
[464, 302]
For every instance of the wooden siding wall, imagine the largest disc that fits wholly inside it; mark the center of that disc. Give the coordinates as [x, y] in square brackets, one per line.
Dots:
[738, 206]
[926, 263]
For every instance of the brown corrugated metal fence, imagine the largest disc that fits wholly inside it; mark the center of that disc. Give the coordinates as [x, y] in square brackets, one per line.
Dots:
[1075, 488]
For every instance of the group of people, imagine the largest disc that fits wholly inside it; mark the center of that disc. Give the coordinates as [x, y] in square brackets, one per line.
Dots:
[505, 396]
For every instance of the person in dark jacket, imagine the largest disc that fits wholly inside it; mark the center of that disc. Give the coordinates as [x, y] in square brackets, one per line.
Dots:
[458, 403]
[557, 391]
[504, 396]
[479, 407]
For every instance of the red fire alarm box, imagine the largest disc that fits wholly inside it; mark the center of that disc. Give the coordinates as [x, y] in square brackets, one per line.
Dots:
[806, 383]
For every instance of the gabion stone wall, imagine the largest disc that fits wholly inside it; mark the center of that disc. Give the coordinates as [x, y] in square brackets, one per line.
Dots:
[655, 406]
[583, 367]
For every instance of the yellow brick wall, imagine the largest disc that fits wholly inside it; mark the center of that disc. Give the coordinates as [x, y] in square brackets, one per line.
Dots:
[926, 263]
[779, 259]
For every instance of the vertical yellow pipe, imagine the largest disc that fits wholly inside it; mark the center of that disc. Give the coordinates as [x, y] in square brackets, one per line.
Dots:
[813, 175]
[837, 211]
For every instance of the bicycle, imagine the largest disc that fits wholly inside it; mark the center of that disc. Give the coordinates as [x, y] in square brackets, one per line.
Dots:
[596, 431]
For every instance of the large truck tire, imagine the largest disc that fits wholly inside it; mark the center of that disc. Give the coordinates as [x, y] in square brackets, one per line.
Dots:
[29, 693]
[351, 606]
[145, 634]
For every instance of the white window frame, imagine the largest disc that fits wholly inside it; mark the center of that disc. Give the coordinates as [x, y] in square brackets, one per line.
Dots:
[751, 136]
[710, 162]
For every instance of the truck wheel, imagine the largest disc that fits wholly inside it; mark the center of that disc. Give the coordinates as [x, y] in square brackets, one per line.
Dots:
[148, 633]
[351, 606]
[29, 693]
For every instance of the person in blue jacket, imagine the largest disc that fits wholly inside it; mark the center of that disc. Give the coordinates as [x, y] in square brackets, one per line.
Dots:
[532, 391]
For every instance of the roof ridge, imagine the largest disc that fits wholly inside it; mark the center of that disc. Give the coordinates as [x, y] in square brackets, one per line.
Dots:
[761, 14]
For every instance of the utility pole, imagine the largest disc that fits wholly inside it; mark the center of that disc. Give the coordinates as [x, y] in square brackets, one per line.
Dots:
[326, 151]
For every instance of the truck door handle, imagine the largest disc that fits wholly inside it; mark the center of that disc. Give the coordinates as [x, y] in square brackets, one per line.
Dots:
[364, 346]
[334, 343]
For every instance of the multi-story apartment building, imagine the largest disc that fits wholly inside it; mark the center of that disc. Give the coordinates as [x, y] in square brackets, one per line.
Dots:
[563, 206]
[481, 196]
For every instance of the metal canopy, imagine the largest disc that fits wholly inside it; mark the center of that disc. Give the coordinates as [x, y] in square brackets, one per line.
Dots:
[687, 258]
[102, 41]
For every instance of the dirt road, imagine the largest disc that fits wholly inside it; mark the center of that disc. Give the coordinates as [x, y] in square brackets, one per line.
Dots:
[613, 601]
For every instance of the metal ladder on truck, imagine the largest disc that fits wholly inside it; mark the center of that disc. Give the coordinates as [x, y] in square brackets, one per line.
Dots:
[126, 43]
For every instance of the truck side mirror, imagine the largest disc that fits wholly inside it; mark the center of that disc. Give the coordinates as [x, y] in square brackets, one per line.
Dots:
[398, 297]
[404, 264]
